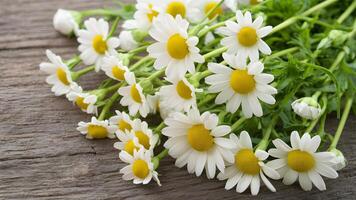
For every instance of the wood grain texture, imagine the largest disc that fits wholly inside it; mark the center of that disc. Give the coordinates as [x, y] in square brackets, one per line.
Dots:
[42, 156]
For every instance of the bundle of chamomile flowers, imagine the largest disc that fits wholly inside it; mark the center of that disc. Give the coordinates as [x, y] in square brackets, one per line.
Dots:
[238, 89]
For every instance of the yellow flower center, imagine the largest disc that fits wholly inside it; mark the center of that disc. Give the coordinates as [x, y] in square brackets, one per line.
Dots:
[177, 47]
[247, 162]
[62, 76]
[140, 169]
[143, 139]
[97, 131]
[176, 8]
[130, 147]
[135, 94]
[209, 6]
[99, 44]
[199, 138]
[247, 36]
[183, 90]
[254, 2]
[300, 161]
[123, 125]
[118, 73]
[242, 82]
[152, 13]
[80, 103]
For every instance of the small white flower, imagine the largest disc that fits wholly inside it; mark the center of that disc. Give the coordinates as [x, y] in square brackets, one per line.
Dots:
[174, 49]
[146, 12]
[209, 37]
[66, 21]
[127, 41]
[183, 8]
[140, 167]
[179, 96]
[85, 101]
[197, 141]
[339, 160]
[306, 107]
[59, 75]
[245, 36]
[301, 161]
[203, 7]
[144, 134]
[133, 97]
[96, 129]
[128, 142]
[248, 167]
[122, 121]
[154, 102]
[114, 67]
[95, 43]
[243, 85]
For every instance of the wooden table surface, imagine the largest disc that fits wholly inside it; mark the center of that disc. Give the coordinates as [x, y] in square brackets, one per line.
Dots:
[42, 156]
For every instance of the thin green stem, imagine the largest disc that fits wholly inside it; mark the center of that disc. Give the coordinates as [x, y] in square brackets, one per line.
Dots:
[73, 62]
[215, 52]
[266, 135]
[140, 63]
[206, 99]
[158, 129]
[76, 75]
[347, 13]
[138, 50]
[238, 123]
[114, 26]
[104, 12]
[108, 105]
[282, 53]
[158, 158]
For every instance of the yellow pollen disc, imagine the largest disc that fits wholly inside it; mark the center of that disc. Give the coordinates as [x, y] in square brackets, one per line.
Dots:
[62, 76]
[118, 73]
[152, 13]
[247, 36]
[177, 46]
[242, 82]
[254, 2]
[99, 44]
[247, 162]
[97, 131]
[209, 6]
[135, 94]
[199, 138]
[130, 147]
[80, 103]
[123, 125]
[140, 169]
[300, 161]
[176, 8]
[143, 139]
[183, 90]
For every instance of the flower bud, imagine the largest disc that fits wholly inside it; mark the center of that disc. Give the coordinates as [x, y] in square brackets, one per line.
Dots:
[66, 22]
[127, 41]
[307, 108]
[340, 161]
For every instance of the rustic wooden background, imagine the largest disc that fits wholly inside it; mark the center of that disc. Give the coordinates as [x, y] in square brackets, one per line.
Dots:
[42, 156]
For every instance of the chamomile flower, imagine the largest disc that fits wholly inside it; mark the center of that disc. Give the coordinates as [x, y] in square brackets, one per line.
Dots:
[174, 48]
[144, 134]
[140, 167]
[114, 67]
[204, 7]
[244, 84]
[122, 121]
[302, 162]
[95, 43]
[174, 8]
[128, 142]
[133, 97]
[96, 129]
[85, 101]
[179, 96]
[245, 36]
[154, 102]
[307, 107]
[59, 75]
[197, 141]
[66, 21]
[248, 167]
[146, 12]
[127, 41]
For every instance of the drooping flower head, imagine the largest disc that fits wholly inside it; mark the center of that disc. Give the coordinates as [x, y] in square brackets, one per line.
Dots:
[114, 67]
[146, 12]
[307, 108]
[85, 101]
[96, 129]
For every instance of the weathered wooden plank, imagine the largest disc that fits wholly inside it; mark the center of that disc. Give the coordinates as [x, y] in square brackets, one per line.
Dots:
[42, 156]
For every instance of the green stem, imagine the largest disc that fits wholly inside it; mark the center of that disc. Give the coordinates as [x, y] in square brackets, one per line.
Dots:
[158, 129]
[138, 50]
[76, 75]
[206, 99]
[158, 158]
[104, 12]
[108, 105]
[215, 52]
[237, 124]
[73, 62]
[266, 135]
[140, 62]
[347, 12]
[114, 26]
[282, 53]
[342, 122]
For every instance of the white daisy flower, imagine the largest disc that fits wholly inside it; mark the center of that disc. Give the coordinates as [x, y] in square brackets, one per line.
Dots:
[94, 42]
[133, 97]
[245, 36]
[154, 102]
[144, 134]
[197, 141]
[66, 21]
[96, 129]
[122, 121]
[179, 96]
[174, 49]
[140, 167]
[248, 168]
[59, 75]
[184, 8]
[85, 101]
[203, 7]
[339, 160]
[146, 12]
[127, 41]
[128, 142]
[114, 67]
[244, 84]
[302, 162]
[307, 108]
